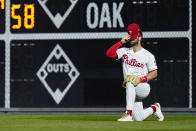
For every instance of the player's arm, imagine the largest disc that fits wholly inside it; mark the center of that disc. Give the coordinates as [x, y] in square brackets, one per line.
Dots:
[152, 75]
[111, 52]
[135, 80]
[152, 67]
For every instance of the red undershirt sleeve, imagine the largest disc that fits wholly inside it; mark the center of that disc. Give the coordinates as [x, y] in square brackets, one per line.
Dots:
[111, 52]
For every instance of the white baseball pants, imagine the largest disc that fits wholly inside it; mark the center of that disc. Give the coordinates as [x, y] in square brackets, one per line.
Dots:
[134, 96]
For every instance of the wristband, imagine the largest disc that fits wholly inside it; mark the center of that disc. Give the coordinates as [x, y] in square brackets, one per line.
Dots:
[144, 79]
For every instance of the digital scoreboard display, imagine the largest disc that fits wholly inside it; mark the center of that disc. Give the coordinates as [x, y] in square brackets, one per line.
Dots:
[45, 16]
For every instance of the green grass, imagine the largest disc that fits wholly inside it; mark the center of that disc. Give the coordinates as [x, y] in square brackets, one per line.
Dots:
[66, 122]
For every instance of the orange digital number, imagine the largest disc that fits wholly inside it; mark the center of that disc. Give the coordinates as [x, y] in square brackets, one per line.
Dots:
[2, 2]
[16, 17]
[29, 18]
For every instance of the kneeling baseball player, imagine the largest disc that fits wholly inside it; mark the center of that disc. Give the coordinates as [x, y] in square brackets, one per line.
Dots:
[139, 67]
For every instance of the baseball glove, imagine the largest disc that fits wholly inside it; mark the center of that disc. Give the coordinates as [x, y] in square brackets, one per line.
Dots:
[131, 78]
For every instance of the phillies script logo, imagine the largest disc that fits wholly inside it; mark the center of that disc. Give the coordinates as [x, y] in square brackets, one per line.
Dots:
[132, 62]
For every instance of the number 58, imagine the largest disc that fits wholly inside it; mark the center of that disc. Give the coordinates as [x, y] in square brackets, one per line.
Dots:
[29, 18]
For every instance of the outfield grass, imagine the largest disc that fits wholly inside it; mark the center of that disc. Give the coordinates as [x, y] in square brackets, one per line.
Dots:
[13, 122]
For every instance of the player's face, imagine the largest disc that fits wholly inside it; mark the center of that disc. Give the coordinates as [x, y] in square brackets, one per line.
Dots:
[134, 42]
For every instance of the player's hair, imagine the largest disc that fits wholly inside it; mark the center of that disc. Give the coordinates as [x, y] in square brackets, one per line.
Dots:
[141, 36]
[141, 33]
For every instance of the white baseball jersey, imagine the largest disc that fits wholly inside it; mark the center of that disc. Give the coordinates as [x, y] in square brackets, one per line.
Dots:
[136, 63]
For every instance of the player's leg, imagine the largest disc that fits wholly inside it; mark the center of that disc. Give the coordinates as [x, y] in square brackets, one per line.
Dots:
[139, 114]
[142, 91]
[130, 96]
[157, 111]
[130, 100]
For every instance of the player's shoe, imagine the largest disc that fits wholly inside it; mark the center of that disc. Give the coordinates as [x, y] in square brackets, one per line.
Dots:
[126, 117]
[158, 113]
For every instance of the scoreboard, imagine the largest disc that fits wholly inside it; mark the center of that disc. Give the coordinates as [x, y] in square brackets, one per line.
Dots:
[47, 16]
[55, 50]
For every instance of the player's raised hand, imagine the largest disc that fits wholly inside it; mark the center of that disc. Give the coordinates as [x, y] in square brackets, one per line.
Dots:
[125, 38]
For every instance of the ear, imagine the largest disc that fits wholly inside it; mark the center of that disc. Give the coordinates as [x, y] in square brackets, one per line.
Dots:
[140, 38]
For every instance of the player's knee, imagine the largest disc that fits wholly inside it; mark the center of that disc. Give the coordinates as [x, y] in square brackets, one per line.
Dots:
[130, 85]
[138, 117]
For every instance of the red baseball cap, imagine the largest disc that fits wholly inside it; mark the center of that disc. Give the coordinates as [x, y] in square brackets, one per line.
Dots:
[134, 31]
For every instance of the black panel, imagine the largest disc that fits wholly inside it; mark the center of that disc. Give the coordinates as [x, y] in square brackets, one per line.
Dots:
[2, 73]
[171, 88]
[193, 66]
[2, 16]
[27, 57]
[160, 15]
[99, 83]
[100, 92]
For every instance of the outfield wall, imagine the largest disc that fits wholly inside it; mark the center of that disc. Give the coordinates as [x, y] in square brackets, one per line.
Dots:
[60, 62]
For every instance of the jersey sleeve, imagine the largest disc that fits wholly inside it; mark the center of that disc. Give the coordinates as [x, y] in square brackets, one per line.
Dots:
[151, 63]
[120, 52]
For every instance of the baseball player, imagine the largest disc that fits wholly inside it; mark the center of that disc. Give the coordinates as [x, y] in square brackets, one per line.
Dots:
[139, 67]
